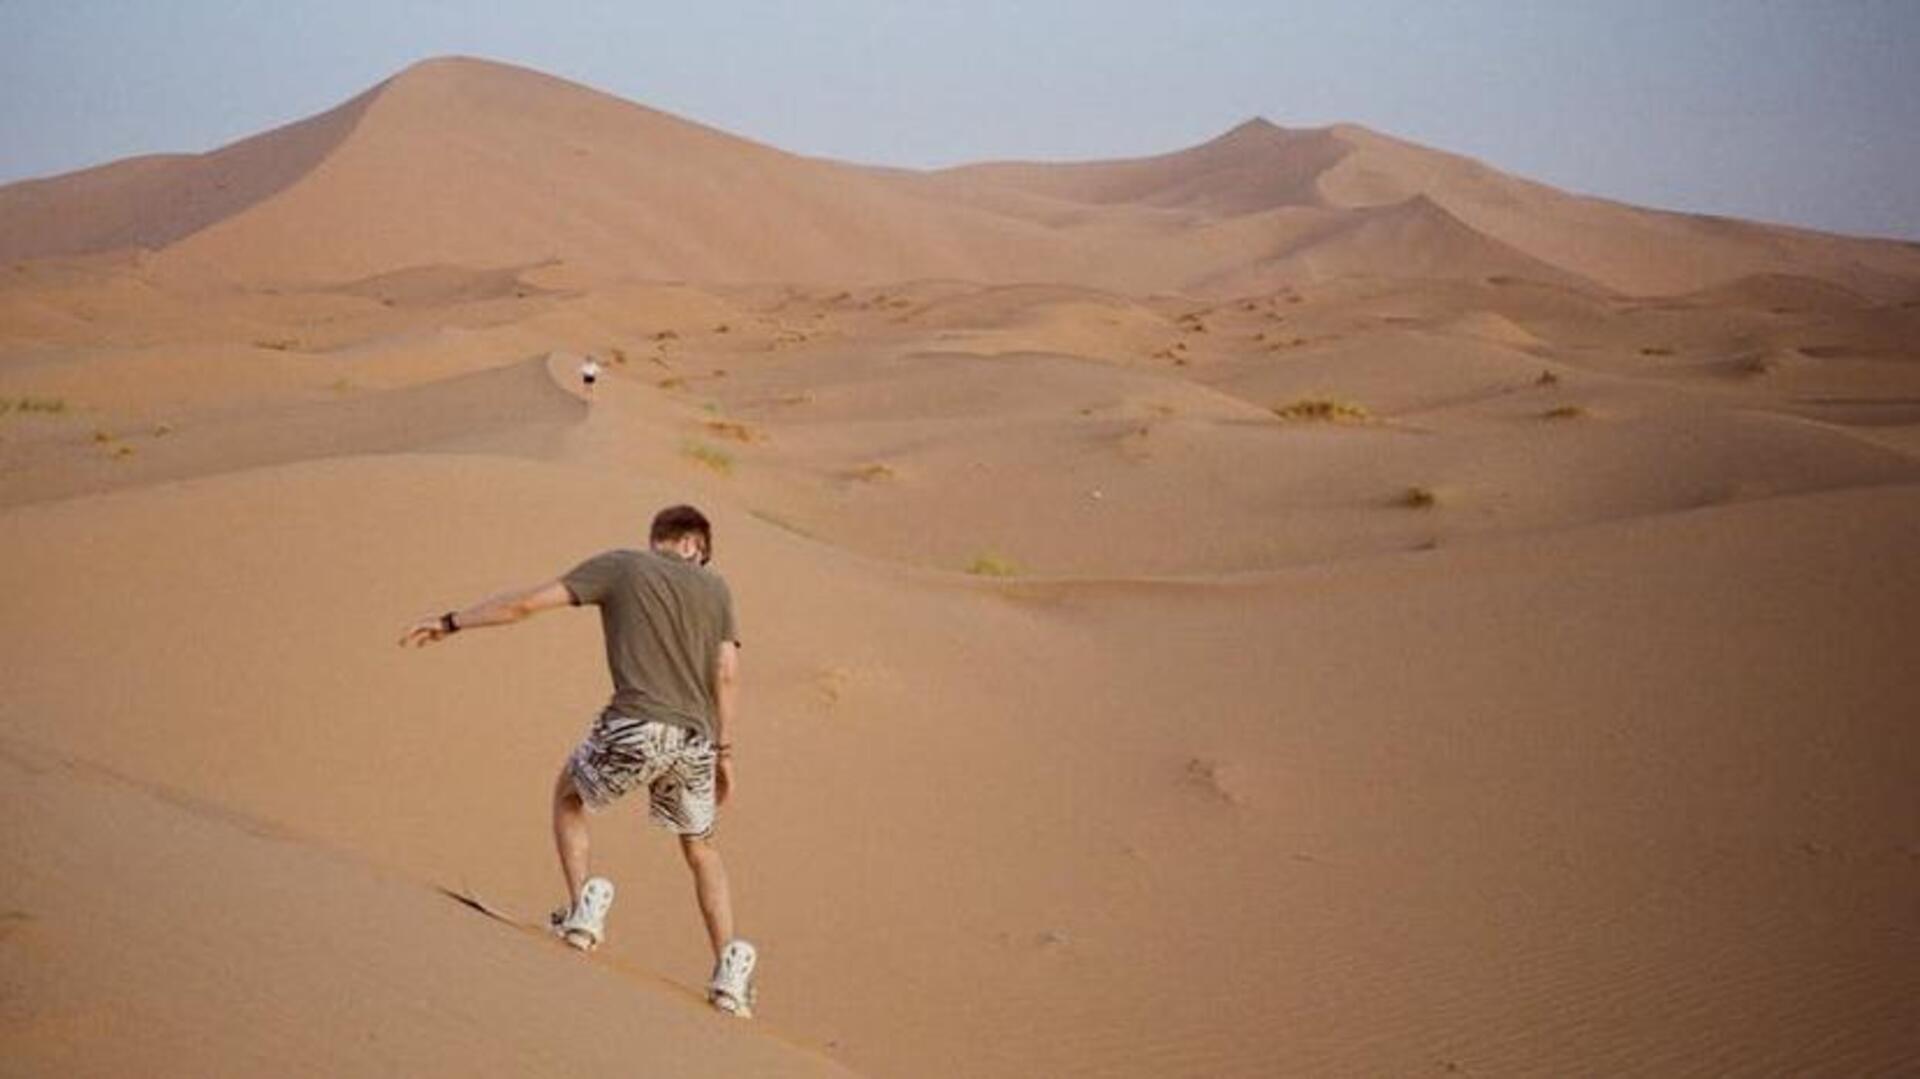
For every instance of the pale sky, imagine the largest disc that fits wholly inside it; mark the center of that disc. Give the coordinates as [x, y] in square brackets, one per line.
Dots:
[1796, 111]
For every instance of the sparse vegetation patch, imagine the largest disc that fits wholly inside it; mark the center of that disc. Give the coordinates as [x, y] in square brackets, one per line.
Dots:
[712, 456]
[47, 405]
[738, 432]
[1323, 410]
[1565, 412]
[1420, 498]
[992, 565]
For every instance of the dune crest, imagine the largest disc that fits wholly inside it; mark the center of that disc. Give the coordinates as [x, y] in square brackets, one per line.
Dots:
[471, 162]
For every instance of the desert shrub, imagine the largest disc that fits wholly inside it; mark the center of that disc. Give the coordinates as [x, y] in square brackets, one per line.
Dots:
[1565, 412]
[1419, 498]
[992, 565]
[1323, 410]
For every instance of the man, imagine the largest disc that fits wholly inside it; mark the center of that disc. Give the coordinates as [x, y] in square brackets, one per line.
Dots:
[673, 651]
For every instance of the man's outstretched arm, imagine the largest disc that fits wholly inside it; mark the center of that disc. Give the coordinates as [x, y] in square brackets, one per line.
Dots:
[500, 610]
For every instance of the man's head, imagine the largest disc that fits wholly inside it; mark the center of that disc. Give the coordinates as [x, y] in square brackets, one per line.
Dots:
[684, 532]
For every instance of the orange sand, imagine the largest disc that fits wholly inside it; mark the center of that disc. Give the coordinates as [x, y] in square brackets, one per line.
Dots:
[1545, 707]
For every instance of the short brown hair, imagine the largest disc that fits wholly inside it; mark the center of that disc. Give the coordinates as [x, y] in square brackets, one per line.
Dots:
[676, 521]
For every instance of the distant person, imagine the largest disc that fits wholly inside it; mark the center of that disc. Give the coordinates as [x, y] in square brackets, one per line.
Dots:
[590, 373]
[673, 651]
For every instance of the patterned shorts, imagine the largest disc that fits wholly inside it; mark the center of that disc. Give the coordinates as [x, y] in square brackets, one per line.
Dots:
[672, 762]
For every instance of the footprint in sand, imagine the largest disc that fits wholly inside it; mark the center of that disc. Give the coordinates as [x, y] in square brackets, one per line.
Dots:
[1213, 779]
[831, 685]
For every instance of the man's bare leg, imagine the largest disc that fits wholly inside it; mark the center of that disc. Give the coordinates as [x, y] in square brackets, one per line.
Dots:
[710, 887]
[570, 835]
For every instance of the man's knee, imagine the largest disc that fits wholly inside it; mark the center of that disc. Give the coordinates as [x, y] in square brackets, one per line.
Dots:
[699, 850]
[565, 794]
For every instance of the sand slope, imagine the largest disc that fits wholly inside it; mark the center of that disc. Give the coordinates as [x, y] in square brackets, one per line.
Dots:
[1302, 605]
[218, 945]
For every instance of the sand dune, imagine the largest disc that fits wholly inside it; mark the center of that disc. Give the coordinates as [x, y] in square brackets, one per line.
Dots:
[1301, 605]
[398, 177]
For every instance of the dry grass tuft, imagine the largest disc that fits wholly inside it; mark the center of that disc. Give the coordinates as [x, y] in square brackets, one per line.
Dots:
[49, 405]
[729, 429]
[1420, 498]
[1323, 410]
[712, 456]
[1565, 412]
[992, 565]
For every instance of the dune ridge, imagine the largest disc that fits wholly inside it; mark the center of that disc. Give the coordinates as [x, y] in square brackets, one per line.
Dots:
[398, 177]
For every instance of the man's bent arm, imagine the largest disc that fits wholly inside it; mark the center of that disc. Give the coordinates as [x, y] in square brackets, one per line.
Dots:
[500, 610]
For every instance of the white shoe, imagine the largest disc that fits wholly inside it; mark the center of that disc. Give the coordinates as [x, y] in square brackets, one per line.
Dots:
[585, 926]
[731, 989]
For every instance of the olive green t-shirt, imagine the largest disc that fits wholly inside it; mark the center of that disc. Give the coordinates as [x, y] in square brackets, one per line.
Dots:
[664, 621]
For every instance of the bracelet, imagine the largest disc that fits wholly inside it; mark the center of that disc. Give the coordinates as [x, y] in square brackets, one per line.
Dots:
[447, 624]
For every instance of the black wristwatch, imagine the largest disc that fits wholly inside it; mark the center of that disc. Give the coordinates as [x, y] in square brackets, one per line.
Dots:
[447, 624]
